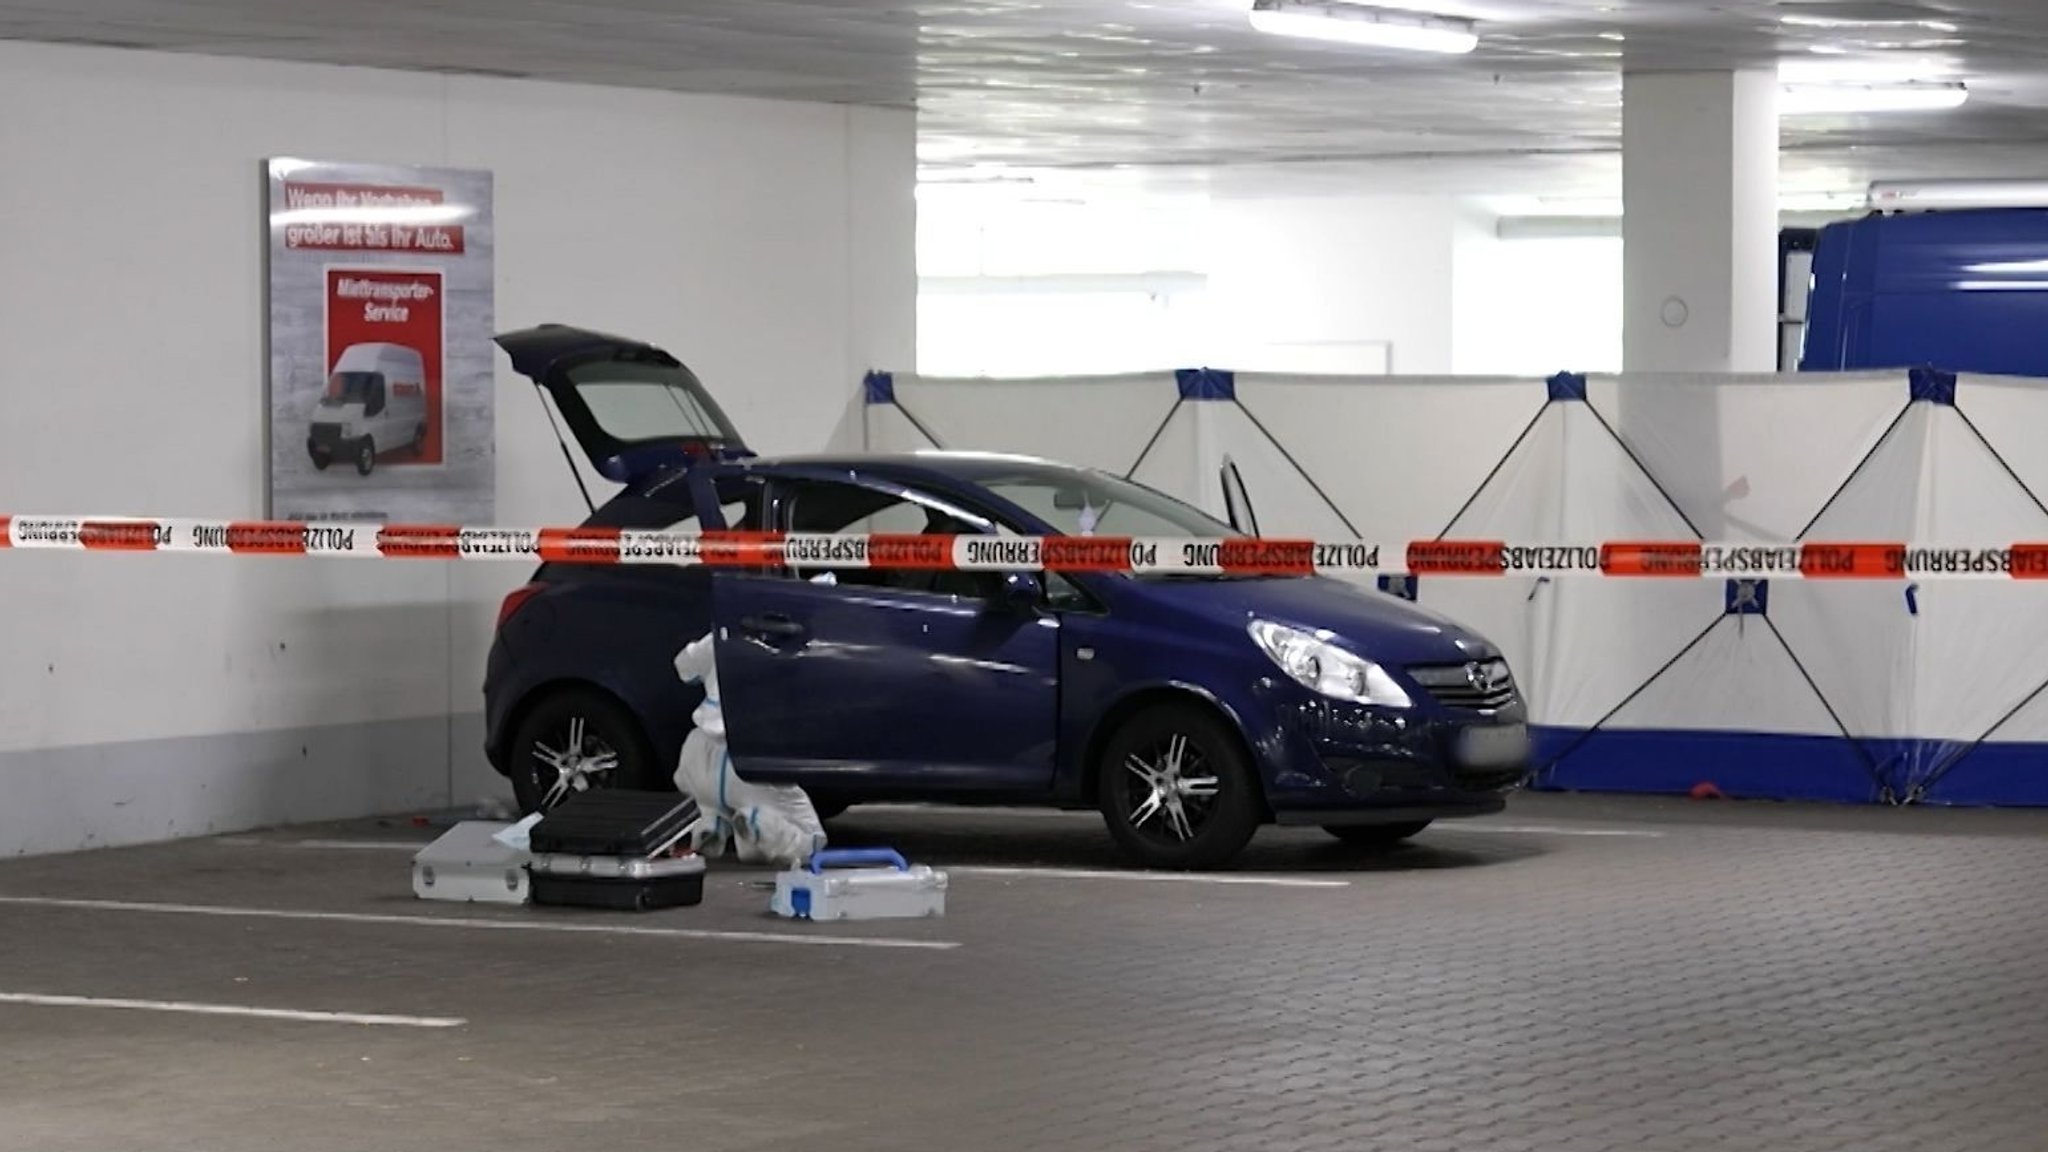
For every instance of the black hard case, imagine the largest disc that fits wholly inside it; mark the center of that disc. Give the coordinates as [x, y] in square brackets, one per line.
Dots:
[609, 822]
[627, 893]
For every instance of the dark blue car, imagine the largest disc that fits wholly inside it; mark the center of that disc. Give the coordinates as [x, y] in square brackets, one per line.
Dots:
[1189, 709]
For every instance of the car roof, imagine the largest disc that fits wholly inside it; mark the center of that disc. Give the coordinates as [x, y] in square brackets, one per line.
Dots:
[968, 467]
[961, 473]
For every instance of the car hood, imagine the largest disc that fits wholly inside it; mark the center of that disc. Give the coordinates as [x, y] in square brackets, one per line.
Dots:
[1380, 627]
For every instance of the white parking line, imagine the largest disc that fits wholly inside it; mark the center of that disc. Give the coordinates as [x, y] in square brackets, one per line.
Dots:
[970, 810]
[1541, 830]
[478, 924]
[1177, 877]
[955, 869]
[232, 1010]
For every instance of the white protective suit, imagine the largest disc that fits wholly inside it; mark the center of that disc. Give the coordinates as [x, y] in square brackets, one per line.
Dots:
[767, 823]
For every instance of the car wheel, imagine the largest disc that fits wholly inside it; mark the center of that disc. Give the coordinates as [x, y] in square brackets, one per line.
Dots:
[1375, 835]
[321, 460]
[575, 741]
[1177, 789]
[366, 455]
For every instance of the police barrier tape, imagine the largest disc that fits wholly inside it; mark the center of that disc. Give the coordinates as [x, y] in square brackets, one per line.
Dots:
[1809, 560]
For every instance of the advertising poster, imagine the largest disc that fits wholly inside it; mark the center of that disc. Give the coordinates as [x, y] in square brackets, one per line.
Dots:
[382, 368]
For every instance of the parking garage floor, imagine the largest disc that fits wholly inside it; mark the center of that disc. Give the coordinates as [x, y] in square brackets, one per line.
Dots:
[1573, 974]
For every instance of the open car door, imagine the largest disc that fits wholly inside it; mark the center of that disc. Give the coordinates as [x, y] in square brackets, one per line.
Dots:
[1237, 502]
[884, 678]
[634, 409]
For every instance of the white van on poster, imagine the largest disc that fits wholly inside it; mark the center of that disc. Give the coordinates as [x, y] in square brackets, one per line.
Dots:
[376, 399]
[382, 369]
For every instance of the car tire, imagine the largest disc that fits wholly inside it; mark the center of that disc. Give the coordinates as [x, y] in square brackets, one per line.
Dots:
[601, 726]
[1188, 746]
[366, 455]
[321, 460]
[1375, 835]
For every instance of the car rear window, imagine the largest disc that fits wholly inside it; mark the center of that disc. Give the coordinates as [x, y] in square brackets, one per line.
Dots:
[637, 402]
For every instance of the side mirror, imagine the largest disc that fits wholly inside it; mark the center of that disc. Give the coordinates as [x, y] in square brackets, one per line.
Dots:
[1021, 591]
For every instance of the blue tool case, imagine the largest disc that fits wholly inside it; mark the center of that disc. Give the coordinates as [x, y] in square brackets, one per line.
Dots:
[838, 884]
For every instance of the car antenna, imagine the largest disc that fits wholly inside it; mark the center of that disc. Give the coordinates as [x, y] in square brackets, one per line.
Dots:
[566, 456]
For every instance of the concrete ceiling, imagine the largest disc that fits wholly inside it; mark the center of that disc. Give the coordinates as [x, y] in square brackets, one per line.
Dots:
[1182, 94]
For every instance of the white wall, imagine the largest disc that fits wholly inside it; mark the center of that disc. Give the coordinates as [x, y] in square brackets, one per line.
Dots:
[1335, 271]
[1352, 285]
[1535, 306]
[769, 245]
[980, 230]
[1051, 288]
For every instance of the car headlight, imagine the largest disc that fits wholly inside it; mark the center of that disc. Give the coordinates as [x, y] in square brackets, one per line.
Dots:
[1315, 663]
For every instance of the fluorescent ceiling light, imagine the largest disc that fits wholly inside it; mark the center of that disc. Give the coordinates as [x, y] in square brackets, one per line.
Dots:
[1892, 69]
[1346, 23]
[1844, 99]
[1840, 22]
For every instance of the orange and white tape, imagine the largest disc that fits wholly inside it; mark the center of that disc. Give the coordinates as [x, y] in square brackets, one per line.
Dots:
[1809, 560]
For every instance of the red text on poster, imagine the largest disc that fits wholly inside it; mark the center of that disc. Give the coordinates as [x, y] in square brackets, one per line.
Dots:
[384, 352]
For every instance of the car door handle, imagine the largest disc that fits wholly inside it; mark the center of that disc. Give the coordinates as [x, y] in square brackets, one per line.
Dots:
[772, 625]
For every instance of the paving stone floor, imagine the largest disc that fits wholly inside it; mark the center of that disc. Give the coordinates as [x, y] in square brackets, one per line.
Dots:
[1574, 974]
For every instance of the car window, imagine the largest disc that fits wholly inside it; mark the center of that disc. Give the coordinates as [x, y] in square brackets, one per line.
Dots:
[1081, 503]
[834, 509]
[901, 518]
[633, 402]
[1061, 593]
[743, 502]
[347, 388]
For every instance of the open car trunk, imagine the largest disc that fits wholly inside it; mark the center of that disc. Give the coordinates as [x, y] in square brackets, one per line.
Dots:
[634, 409]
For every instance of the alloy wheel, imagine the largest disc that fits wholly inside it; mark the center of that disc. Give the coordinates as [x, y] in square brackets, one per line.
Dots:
[1171, 789]
[580, 759]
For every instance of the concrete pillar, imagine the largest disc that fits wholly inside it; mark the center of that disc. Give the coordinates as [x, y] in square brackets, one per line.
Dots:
[1700, 221]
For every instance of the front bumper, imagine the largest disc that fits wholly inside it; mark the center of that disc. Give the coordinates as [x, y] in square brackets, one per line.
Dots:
[325, 439]
[1329, 762]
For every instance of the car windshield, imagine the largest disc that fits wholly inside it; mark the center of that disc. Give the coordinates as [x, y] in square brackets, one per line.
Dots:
[1078, 503]
[348, 388]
